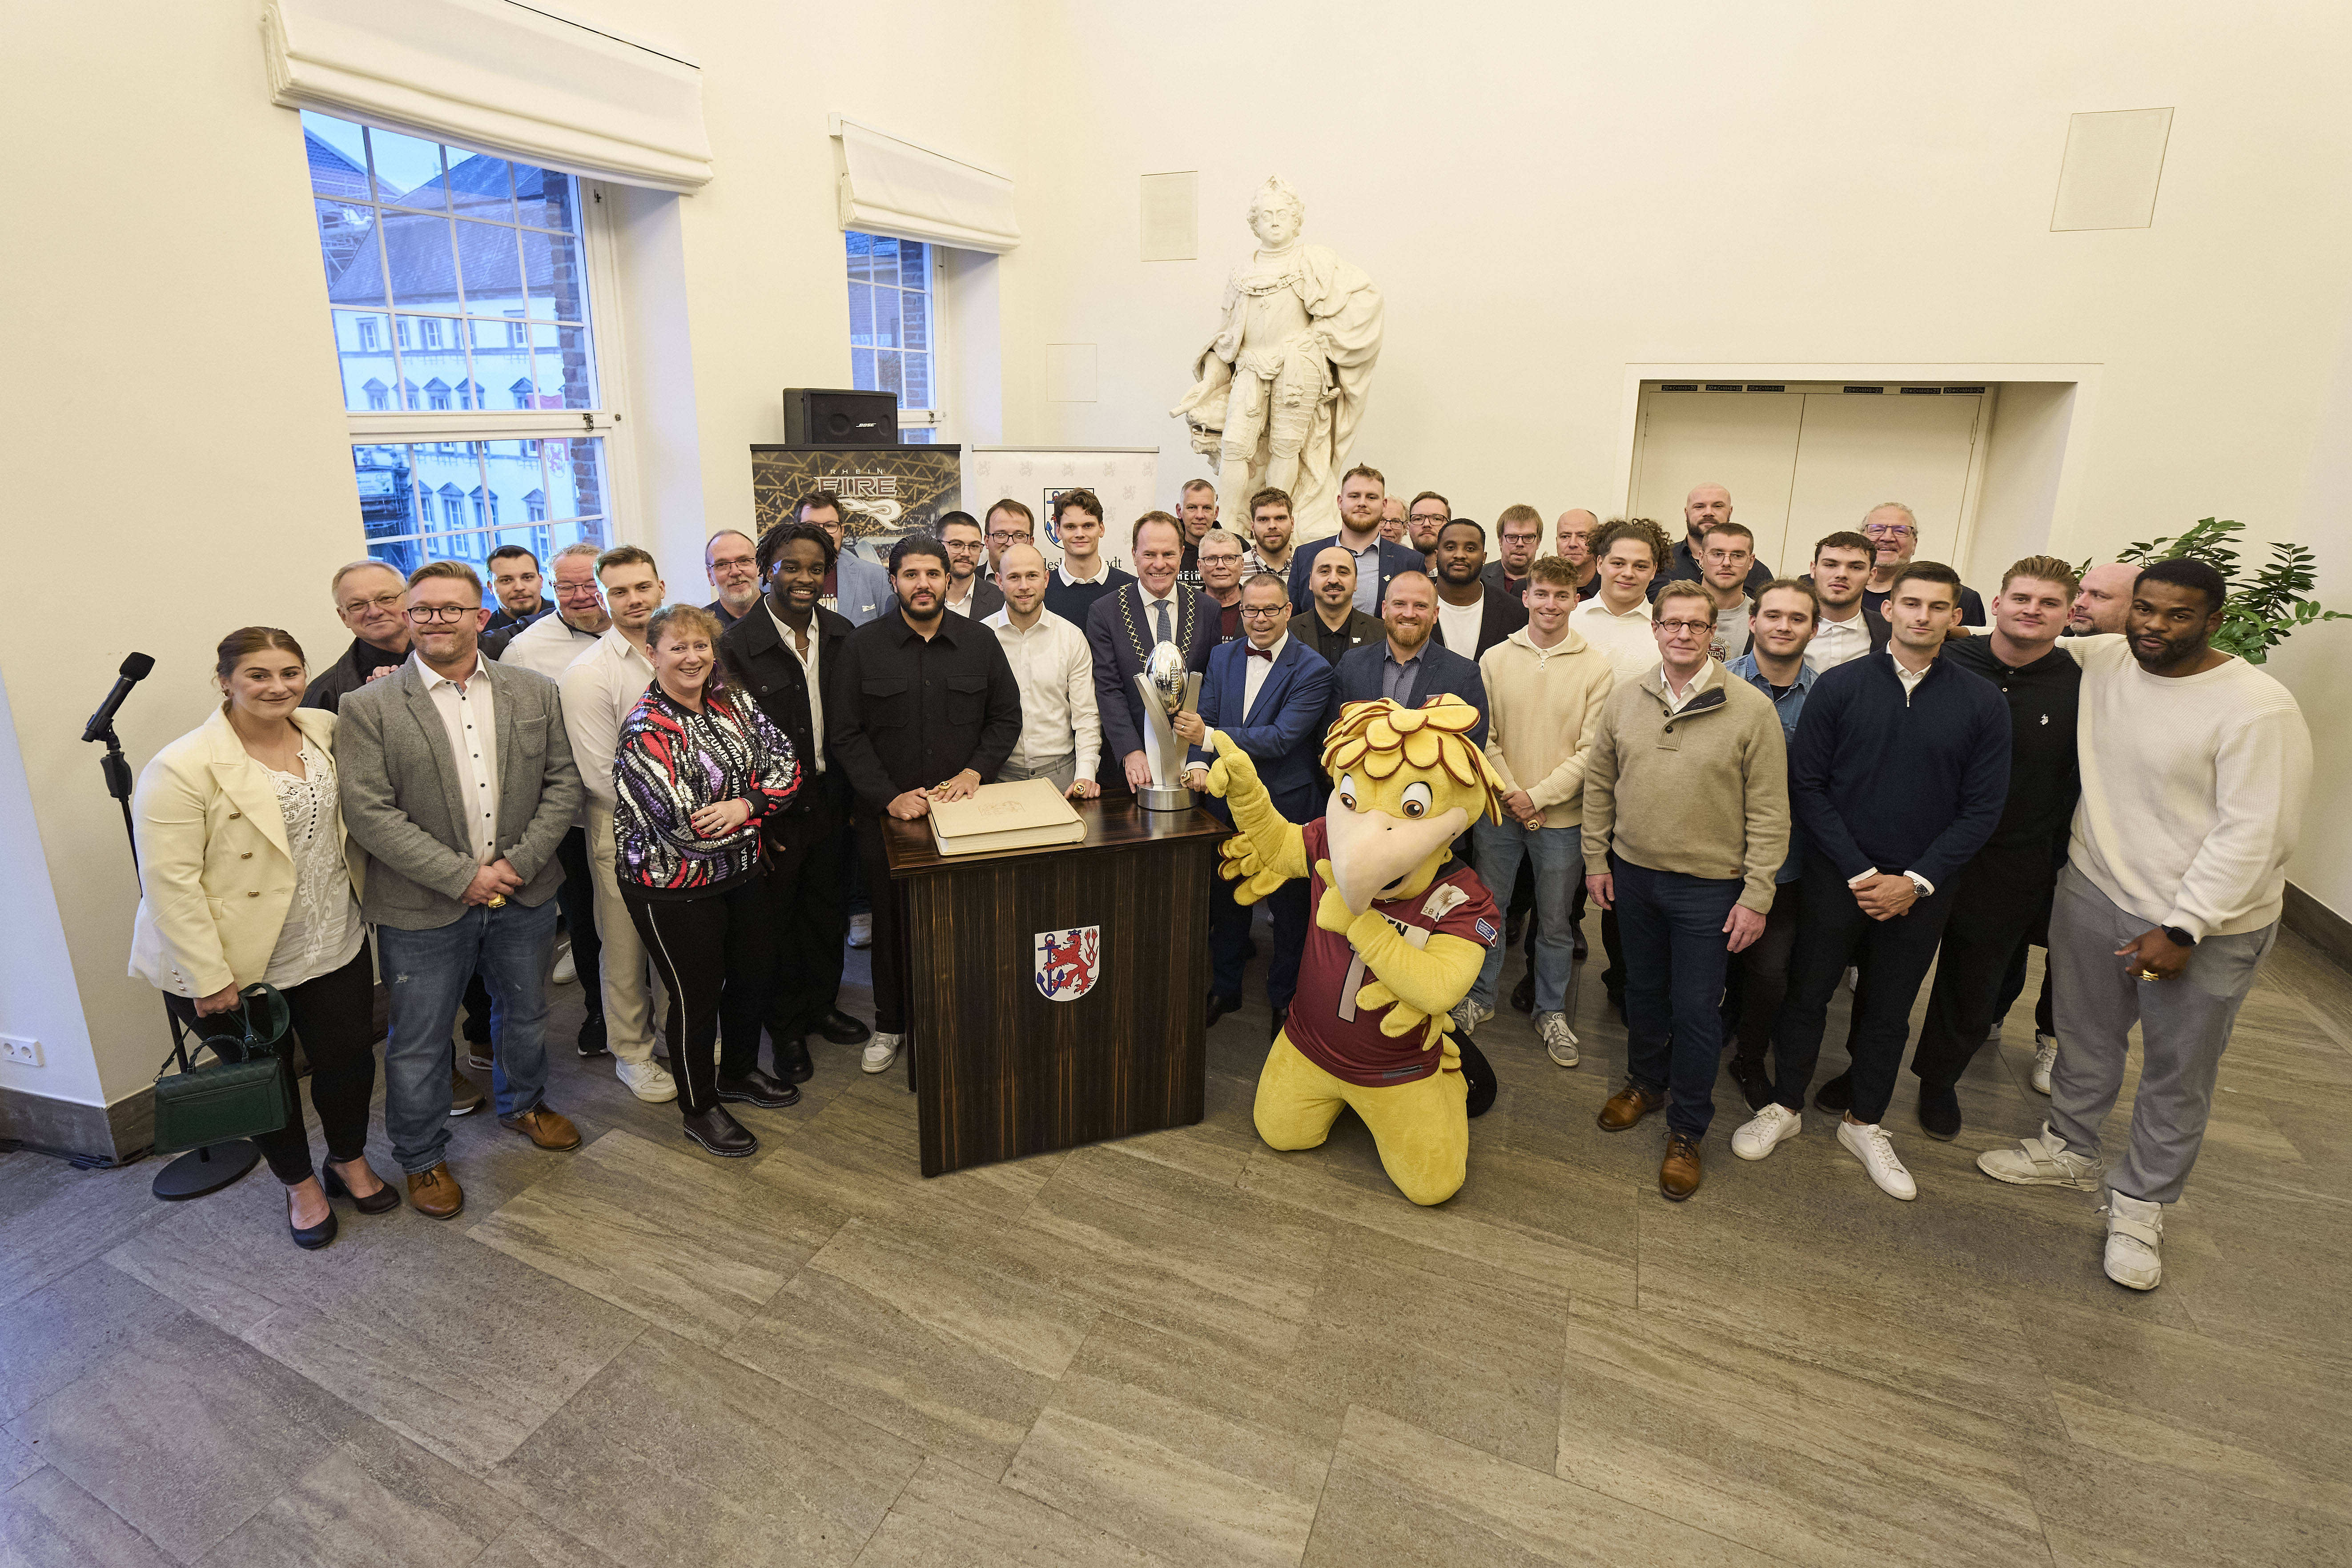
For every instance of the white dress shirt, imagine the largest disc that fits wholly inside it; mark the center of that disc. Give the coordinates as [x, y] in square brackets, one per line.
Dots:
[1151, 615]
[1626, 640]
[600, 687]
[1055, 671]
[808, 669]
[1698, 683]
[548, 646]
[1102, 570]
[1838, 642]
[472, 725]
[1254, 671]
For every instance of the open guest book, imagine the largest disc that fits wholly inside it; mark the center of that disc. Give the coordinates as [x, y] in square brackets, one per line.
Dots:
[1021, 816]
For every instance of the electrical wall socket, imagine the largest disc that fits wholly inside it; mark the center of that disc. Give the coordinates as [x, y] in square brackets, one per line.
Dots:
[23, 1053]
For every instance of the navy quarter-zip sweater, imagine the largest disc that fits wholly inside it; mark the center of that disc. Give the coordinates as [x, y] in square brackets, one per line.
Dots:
[1889, 783]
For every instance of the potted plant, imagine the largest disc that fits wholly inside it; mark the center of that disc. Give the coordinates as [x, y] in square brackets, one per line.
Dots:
[2263, 608]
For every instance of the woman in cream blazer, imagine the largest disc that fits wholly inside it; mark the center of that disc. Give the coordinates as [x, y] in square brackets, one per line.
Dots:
[248, 875]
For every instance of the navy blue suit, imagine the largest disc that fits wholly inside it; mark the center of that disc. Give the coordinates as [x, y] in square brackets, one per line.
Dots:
[1394, 558]
[1282, 733]
[1118, 621]
[1358, 679]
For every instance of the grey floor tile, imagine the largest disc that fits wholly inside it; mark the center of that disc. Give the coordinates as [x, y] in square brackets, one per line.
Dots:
[374, 1500]
[17, 1461]
[1399, 1493]
[674, 1453]
[691, 1244]
[58, 1332]
[46, 1521]
[950, 1518]
[54, 1218]
[529, 1541]
[2104, 1510]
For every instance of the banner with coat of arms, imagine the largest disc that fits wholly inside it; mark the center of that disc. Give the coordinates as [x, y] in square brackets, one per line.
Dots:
[1126, 479]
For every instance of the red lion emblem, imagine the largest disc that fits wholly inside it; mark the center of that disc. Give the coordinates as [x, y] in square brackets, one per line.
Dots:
[1067, 962]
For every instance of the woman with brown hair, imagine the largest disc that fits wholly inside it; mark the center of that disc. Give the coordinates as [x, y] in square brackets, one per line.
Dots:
[696, 770]
[247, 878]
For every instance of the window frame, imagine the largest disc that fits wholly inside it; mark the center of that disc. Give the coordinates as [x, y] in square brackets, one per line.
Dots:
[934, 418]
[401, 425]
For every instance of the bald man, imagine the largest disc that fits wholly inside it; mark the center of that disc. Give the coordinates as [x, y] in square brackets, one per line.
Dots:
[1706, 506]
[1572, 541]
[2102, 601]
[1061, 731]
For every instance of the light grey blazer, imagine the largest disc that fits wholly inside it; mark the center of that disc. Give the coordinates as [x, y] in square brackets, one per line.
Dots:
[403, 804]
[862, 588]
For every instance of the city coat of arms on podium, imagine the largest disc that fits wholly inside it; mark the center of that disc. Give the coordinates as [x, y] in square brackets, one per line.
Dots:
[1068, 961]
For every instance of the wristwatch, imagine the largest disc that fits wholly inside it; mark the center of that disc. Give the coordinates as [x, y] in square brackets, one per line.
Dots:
[2177, 937]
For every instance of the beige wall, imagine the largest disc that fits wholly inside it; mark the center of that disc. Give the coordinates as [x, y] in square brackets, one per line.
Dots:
[1548, 195]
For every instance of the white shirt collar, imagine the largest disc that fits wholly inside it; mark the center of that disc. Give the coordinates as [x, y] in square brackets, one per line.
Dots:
[1276, 651]
[1102, 566]
[1149, 597]
[434, 677]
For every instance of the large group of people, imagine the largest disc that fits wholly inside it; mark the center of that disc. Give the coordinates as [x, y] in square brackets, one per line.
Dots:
[1770, 786]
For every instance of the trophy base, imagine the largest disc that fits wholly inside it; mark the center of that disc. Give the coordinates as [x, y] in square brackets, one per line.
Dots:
[1165, 797]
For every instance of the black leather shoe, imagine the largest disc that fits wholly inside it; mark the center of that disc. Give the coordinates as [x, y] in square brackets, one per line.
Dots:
[1755, 1083]
[793, 1063]
[756, 1088]
[1479, 1073]
[1281, 1016]
[592, 1036]
[1523, 994]
[1837, 1094]
[384, 1198]
[1221, 1005]
[840, 1028]
[315, 1237]
[1940, 1110]
[1582, 948]
[720, 1134]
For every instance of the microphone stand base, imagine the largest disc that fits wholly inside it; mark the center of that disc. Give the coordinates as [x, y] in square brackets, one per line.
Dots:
[206, 1170]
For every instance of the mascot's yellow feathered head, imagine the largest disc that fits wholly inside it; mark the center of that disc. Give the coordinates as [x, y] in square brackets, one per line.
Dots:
[1406, 782]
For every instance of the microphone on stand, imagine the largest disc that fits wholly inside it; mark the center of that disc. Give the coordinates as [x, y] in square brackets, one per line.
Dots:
[135, 669]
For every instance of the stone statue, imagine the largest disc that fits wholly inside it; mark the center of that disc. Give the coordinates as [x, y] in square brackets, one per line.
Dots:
[1277, 393]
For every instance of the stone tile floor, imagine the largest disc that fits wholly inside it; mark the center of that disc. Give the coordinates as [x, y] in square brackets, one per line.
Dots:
[1187, 1348]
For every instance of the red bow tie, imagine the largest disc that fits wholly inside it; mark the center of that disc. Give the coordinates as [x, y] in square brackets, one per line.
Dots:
[1264, 653]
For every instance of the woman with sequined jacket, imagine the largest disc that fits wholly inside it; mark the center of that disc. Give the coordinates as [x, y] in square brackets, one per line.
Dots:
[696, 769]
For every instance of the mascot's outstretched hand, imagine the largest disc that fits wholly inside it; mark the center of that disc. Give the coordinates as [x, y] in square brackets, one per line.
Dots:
[1270, 849]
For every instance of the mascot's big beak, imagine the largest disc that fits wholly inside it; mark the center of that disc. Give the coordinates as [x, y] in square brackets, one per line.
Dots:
[1372, 850]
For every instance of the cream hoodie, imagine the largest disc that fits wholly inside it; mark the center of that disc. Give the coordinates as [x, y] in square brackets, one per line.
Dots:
[1542, 706]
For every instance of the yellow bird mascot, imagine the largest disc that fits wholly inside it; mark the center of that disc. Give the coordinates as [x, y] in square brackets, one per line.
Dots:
[1399, 932]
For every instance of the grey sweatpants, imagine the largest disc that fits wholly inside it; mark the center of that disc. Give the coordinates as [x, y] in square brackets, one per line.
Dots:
[2184, 1028]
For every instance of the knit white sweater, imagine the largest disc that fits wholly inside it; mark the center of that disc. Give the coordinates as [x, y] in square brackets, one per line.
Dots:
[2193, 789]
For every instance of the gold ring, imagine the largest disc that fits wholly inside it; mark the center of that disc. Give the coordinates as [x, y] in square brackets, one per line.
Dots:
[498, 901]
[2149, 975]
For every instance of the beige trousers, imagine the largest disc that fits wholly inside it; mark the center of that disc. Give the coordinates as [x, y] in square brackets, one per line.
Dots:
[627, 976]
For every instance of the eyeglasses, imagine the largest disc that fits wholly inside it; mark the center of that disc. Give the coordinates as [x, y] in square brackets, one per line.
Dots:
[380, 602]
[1006, 536]
[1264, 612]
[427, 615]
[1687, 629]
[1889, 530]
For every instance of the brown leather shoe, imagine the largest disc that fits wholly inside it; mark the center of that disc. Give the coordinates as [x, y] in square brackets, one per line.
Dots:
[1627, 1106]
[545, 1127]
[434, 1193]
[1678, 1176]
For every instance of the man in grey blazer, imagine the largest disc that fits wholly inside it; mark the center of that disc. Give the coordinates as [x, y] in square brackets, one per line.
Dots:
[456, 779]
[859, 588]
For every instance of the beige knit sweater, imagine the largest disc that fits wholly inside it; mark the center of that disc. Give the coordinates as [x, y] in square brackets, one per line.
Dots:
[1704, 792]
[1542, 704]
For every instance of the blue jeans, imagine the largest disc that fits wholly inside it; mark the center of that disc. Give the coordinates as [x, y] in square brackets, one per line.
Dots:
[426, 973]
[1558, 855]
[1676, 955]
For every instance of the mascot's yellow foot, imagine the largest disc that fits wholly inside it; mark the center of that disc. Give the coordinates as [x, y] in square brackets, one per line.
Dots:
[1420, 1127]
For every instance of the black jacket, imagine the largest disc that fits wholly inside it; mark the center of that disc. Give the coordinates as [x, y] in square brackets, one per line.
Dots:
[1359, 674]
[908, 713]
[2045, 771]
[1114, 627]
[1357, 630]
[350, 672]
[1499, 615]
[759, 663]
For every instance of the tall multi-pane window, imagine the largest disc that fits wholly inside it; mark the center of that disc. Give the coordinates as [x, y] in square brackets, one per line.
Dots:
[451, 272]
[892, 319]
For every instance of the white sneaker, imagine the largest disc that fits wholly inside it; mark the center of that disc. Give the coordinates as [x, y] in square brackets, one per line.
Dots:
[2045, 1060]
[650, 1082]
[1773, 1125]
[861, 934]
[1467, 1015]
[880, 1052]
[2041, 1161]
[2135, 1234]
[1868, 1143]
[566, 972]
[1559, 1041]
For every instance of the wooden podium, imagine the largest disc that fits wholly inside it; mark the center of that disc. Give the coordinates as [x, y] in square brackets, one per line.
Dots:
[1003, 1070]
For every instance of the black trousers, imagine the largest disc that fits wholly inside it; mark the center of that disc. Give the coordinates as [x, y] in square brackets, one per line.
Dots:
[2013, 985]
[1757, 983]
[888, 951]
[714, 954]
[808, 913]
[334, 1018]
[1895, 956]
[1997, 901]
[1229, 922]
[577, 898]
[1677, 952]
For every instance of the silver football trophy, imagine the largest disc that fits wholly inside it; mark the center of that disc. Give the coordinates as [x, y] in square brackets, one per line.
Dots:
[1168, 689]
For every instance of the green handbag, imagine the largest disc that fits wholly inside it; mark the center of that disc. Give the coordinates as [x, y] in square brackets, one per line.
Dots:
[242, 1093]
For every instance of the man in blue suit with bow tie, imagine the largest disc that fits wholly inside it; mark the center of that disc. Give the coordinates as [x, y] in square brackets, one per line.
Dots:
[1266, 691]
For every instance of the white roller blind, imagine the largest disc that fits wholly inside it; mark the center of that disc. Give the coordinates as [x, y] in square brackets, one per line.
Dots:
[895, 188]
[496, 75]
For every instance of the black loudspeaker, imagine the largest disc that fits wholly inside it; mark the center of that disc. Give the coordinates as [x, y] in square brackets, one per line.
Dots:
[828, 417]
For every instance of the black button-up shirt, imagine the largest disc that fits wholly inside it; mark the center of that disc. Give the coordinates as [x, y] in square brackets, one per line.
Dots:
[911, 713]
[2044, 777]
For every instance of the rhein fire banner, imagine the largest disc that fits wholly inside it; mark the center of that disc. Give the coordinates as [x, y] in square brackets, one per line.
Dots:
[886, 491]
